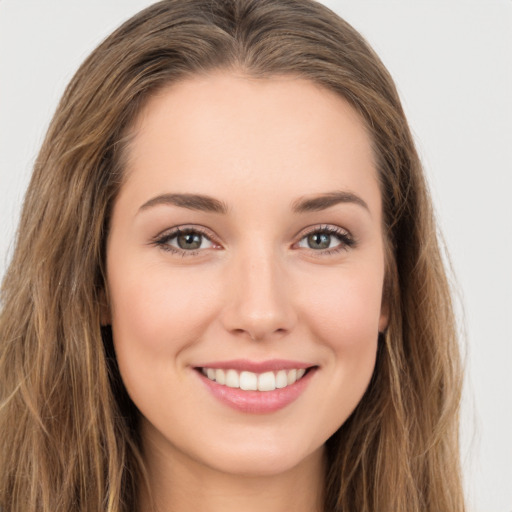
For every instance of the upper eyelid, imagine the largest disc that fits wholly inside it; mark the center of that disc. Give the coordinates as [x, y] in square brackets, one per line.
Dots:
[211, 236]
[176, 230]
[325, 227]
[331, 228]
[164, 237]
[345, 237]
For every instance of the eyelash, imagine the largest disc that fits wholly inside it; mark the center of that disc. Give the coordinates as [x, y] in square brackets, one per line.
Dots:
[162, 241]
[346, 240]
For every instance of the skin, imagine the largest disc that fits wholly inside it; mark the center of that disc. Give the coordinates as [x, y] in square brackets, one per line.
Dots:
[255, 289]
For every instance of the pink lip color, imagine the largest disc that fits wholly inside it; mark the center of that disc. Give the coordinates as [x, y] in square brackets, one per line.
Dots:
[257, 402]
[272, 365]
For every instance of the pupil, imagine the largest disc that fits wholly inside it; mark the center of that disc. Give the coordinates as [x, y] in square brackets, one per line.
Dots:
[319, 241]
[189, 241]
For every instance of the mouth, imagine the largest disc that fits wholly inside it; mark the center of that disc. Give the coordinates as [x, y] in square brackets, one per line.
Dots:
[252, 381]
[256, 387]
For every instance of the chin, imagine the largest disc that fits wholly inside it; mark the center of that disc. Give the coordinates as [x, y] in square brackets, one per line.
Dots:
[260, 459]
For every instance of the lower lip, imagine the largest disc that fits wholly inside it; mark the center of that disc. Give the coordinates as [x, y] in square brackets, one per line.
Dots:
[257, 402]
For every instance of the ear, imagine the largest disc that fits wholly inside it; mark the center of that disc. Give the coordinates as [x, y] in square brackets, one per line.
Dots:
[387, 287]
[384, 317]
[384, 314]
[105, 315]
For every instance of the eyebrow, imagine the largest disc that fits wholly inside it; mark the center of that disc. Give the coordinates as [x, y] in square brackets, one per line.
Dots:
[190, 201]
[324, 201]
[205, 203]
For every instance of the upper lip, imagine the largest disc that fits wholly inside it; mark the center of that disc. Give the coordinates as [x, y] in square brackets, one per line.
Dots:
[255, 366]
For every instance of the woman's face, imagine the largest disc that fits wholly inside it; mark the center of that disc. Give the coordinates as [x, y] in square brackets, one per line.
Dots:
[246, 251]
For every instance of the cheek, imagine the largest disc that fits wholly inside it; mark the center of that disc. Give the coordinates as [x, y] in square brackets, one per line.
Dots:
[156, 316]
[345, 319]
[158, 310]
[345, 310]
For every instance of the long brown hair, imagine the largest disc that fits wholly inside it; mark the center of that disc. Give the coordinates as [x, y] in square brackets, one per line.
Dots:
[69, 436]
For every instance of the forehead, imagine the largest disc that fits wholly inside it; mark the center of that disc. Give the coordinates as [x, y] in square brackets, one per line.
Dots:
[281, 133]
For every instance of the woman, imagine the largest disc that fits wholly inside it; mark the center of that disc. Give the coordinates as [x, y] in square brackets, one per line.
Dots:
[227, 289]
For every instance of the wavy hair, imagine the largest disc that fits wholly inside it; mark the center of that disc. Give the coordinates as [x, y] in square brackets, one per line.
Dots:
[69, 438]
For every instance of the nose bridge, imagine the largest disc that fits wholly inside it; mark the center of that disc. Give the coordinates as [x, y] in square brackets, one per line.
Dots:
[260, 302]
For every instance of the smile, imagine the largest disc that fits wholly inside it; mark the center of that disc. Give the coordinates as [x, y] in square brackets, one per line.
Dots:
[250, 381]
[256, 387]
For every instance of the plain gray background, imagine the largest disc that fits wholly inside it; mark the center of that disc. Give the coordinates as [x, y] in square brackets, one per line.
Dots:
[452, 62]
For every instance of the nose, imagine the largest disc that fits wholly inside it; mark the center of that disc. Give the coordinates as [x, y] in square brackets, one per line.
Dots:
[259, 304]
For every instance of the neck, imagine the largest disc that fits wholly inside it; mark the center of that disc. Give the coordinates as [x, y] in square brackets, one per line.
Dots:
[179, 484]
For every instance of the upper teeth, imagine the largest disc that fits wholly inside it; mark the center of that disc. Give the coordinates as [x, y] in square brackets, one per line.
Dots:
[250, 381]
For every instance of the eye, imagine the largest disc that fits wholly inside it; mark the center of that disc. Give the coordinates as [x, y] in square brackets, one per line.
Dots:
[191, 241]
[186, 241]
[328, 239]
